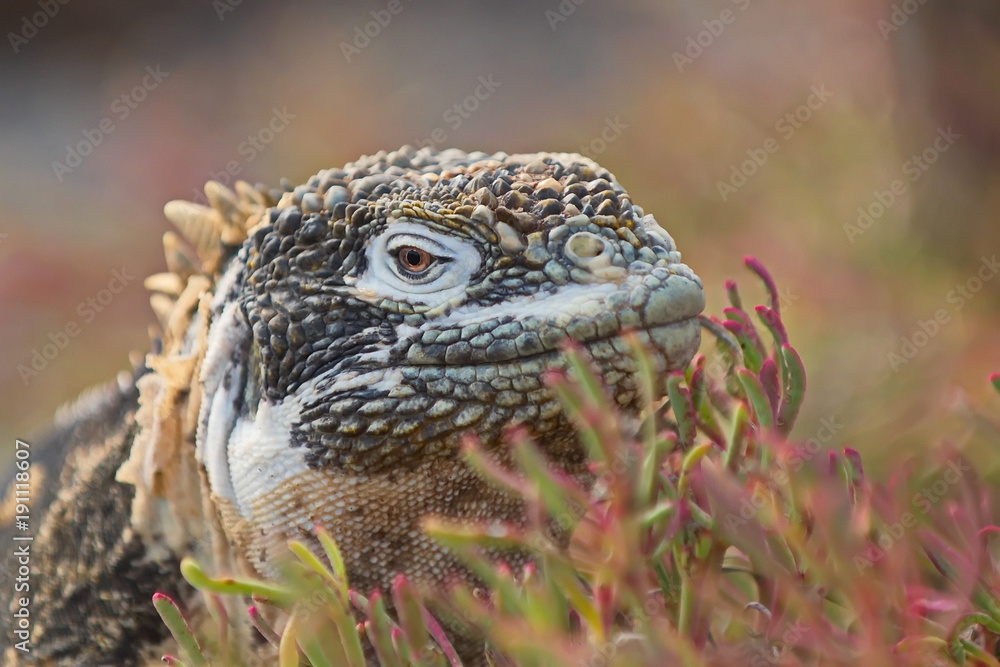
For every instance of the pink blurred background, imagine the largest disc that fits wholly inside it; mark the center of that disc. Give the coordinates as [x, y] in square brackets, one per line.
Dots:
[681, 92]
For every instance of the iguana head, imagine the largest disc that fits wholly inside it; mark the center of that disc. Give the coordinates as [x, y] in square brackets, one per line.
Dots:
[383, 310]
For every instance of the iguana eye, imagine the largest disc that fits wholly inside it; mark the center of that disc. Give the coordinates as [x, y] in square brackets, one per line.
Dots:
[414, 260]
[417, 259]
[413, 263]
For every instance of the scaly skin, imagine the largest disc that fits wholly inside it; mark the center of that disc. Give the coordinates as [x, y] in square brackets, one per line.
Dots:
[375, 315]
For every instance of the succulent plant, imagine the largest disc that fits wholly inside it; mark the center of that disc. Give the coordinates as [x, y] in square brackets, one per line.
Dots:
[710, 536]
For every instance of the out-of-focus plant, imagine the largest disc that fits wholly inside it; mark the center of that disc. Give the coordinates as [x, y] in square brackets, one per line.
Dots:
[708, 537]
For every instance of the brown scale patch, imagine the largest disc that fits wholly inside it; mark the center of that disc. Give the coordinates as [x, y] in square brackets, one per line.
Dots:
[375, 520]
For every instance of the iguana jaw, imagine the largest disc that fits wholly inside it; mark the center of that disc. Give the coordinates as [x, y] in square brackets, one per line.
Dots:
[270, 491]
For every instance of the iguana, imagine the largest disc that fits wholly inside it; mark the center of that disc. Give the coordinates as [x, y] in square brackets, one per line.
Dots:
[321, 353]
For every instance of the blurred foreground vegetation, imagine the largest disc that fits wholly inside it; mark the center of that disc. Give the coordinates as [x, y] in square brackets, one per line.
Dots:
[710, 537]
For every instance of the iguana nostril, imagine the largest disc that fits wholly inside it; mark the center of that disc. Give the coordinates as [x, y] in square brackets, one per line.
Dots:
[583, 247]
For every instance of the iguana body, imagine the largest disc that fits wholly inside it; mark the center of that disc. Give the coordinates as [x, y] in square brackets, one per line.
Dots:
[338, 340]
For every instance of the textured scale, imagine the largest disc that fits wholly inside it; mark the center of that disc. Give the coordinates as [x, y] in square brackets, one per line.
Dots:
[322, 355]
[337, 394]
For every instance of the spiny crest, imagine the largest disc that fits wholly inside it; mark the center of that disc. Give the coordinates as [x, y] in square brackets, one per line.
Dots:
[169, 396]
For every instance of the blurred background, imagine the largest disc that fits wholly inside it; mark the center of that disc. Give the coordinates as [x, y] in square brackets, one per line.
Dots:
[851, 145]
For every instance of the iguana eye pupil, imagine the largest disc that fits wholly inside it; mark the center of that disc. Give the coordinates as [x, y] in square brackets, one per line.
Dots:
[413, 259]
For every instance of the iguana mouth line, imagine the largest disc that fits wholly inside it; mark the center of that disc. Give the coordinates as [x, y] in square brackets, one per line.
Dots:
[553, 351]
